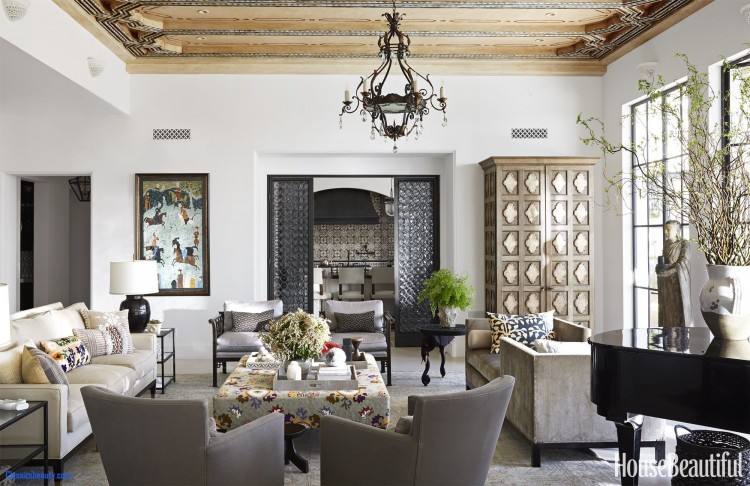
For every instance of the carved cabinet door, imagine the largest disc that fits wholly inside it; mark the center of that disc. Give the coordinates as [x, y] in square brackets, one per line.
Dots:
[568, 242]
[520, 239]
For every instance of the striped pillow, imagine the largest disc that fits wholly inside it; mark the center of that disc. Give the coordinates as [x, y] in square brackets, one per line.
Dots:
[98, 342]
[250, 321]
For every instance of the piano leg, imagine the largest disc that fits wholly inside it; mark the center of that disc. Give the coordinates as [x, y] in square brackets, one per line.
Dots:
[629, 444]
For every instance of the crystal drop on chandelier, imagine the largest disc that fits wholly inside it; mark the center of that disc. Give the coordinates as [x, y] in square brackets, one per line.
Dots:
[395, 148]
[341, 122]
[445, 120]
[372, 133]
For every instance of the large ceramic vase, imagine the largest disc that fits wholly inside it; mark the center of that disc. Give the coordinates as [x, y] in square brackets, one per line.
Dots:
[725, 302]
[447, 316]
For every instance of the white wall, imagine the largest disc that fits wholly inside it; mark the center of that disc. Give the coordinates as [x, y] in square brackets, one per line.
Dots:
[714, 32]
[242, 126]
[54, 38]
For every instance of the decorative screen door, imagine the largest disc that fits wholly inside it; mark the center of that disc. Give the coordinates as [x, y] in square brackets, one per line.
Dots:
[417, 251]
[290, 241]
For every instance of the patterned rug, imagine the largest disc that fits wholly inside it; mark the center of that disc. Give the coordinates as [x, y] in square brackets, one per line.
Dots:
[510, 465]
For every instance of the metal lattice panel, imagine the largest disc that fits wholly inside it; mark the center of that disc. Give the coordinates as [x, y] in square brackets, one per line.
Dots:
[418, 255]
[528, 133]
[171, 134]
[290, 243]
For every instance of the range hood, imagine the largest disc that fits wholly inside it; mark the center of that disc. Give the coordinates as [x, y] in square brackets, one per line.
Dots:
[345, 206]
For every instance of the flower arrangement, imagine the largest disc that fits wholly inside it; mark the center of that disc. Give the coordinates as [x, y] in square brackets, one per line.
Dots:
[297, 336]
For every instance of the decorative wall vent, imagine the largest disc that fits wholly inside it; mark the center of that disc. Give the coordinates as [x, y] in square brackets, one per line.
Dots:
[528, 133]
[171, 134]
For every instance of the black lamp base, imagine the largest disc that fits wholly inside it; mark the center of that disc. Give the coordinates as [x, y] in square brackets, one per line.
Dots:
[139, 312]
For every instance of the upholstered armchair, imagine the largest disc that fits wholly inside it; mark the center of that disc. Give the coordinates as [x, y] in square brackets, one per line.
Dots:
[449, 440]
[230, 345]
[167, 442]
[377, 343]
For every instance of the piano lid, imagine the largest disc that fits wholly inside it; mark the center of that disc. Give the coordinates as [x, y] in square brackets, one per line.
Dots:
[681, 340]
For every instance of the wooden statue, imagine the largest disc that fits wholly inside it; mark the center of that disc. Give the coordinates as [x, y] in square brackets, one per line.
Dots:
[673, 278]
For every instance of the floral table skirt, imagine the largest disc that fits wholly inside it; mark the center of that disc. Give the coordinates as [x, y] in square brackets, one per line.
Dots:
[248, 394]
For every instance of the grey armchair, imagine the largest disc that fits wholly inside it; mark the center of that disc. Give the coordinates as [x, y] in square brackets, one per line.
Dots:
[167, 442]
[451, 440]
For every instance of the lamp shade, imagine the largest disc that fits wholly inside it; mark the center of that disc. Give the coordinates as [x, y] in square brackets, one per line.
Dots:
[4, 315]
[133, 278]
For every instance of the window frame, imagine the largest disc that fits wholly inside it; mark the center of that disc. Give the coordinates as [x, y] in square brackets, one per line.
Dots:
[635, 197]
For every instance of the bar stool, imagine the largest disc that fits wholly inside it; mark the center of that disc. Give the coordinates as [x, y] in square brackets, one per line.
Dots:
[319, 290]
[349, 280]
[383, 283]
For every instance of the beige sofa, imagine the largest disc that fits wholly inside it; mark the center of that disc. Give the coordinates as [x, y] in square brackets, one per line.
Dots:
[129, 374]
[551, 403]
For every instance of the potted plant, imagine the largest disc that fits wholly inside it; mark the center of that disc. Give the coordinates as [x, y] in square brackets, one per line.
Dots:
[713, 193]
[297, 336]
[447, 293]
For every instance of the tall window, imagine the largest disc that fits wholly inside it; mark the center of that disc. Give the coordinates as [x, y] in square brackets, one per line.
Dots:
[655, 136]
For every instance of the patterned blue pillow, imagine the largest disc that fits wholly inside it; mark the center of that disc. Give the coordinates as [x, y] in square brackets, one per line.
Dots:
[523, 329]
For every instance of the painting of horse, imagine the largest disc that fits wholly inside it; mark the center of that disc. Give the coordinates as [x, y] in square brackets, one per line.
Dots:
[174, 208]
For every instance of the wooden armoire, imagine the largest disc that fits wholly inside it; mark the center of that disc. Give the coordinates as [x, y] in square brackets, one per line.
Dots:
[538, 236]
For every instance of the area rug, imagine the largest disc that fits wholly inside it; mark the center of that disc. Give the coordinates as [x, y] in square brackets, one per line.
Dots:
[510, 465]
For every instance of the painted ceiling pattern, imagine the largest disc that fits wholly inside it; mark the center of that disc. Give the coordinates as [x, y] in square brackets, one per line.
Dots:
[347, 29]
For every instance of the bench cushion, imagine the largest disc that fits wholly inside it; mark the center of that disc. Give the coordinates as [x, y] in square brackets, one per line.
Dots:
[239, 341]
[372, 342]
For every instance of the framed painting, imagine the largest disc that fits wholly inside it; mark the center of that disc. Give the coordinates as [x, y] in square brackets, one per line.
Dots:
[171, 227]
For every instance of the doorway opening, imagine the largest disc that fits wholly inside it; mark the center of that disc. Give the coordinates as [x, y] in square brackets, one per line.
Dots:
[54, 240]
[333, 236]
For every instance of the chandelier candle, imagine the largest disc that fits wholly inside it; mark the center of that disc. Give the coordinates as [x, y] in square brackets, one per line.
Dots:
[393, 115]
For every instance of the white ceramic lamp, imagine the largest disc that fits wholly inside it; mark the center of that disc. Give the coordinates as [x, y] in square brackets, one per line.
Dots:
[134, 280]
[4, 316]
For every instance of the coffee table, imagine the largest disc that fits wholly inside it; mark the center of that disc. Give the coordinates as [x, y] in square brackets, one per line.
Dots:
[248, 394]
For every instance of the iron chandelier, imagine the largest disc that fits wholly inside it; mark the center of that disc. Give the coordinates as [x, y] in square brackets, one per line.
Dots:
[393, 115]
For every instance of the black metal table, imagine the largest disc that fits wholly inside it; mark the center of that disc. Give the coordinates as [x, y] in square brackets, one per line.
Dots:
[163, 380]
[435, 336]
[15, 456]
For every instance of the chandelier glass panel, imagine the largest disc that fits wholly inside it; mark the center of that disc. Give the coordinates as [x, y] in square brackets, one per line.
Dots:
[394, 115]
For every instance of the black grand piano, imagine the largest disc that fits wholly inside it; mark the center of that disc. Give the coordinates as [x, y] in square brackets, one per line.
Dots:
[680, 374]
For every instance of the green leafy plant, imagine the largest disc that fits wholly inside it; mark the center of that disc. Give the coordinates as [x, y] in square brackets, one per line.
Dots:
[296, 335]
[446, 289]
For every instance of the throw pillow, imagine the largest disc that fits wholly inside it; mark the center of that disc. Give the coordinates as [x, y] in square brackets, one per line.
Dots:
[403, 426]
[10, 366]
[524, 329]
[68, 352]
[98, 342]
[122, 341]
[546, 346]
[39, 369]
[96, 319]
[364, 322]
[251, 321]
[40, 327]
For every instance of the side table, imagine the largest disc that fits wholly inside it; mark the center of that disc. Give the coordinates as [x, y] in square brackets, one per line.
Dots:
[435, 336]
[15, 456]
[163, 380]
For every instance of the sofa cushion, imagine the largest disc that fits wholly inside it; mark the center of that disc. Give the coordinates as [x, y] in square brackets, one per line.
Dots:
[10, 366]
[363, 322]
[68, 352]
[486, 363]
[39, 369]
[343, 307]
[76, 410]
[239, 341]
[96, 341]
[560, 347]
[36, 311]
[39, 327]
[479, 339]
[372, 342]
[117, 379]
[72, 315]
[95, 319]
[142, 361]
[260, 306]
[523, 329]
[251, 321]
